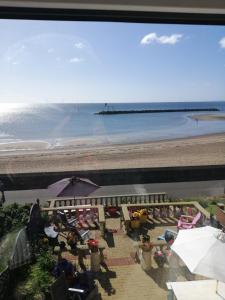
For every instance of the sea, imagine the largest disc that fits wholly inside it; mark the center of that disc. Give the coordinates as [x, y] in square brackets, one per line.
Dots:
[76, 125]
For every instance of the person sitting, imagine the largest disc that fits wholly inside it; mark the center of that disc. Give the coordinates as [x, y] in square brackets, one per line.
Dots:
[66, 267]
[72, 239]
[144, 253]
[52, 233]
[62, 246]
[169, 237]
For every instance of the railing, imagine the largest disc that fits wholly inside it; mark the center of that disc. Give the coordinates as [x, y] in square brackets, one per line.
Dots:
[76, 209]
[114, 200]
[163, 213]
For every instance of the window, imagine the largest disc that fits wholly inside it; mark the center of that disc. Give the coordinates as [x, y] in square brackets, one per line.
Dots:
[133, 114]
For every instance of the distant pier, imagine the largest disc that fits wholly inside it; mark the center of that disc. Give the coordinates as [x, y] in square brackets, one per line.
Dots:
[153, 111]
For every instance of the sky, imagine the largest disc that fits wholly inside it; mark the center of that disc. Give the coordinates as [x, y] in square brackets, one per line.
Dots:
[56, 61]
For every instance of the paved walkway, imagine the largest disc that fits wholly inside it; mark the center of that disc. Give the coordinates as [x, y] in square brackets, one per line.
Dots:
[174, 190]
[125, 276]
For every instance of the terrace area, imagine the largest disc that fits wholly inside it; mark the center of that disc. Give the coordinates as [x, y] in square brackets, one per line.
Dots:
[117, 262]
[121, 275]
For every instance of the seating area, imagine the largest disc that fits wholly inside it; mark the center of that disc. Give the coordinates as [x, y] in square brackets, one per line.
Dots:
[118, 233]
[111, 247]
[164, 214]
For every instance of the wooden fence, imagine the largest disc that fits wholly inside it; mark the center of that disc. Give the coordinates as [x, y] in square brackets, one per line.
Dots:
[114, 200]
[164, 213]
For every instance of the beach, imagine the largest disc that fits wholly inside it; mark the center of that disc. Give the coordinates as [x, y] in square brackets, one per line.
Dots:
[200, 150]
[208, 117]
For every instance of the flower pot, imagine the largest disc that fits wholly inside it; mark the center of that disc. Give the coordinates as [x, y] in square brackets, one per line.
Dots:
[160, 258]
[143, 215]
[135, 223]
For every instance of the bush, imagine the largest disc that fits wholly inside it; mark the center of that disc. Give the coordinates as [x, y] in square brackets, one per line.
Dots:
[38, 278]
[46, 261]
[13, 216]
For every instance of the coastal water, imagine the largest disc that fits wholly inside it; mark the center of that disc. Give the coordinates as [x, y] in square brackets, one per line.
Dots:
[58, 124]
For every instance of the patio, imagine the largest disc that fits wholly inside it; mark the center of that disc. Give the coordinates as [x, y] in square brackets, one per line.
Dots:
[121, 275]
[124, 273]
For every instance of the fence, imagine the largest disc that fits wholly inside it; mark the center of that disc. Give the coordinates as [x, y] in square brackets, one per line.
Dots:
[115, 200]
[164, 213]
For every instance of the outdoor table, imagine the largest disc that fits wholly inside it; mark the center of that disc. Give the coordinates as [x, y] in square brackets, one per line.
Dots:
[95, 257]
[194, 290]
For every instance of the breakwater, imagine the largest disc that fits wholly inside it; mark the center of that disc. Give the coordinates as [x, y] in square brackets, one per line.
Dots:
[152, 111]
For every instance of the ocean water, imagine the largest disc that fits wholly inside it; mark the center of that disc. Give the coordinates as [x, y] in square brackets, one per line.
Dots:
[61, 125]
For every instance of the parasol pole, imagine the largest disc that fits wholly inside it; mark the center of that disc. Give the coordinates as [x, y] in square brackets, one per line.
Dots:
[217, 284]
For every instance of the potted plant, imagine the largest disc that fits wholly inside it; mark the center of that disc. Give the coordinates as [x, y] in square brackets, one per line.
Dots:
[160, 257]
[143, 215]
[135, 220]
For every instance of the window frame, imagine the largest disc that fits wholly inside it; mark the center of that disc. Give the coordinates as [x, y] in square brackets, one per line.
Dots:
[60, 14]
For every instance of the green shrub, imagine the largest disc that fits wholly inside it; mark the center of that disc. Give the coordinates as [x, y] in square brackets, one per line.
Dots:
[203, 203]
[38, 278]
[13, 216]
[46, 261]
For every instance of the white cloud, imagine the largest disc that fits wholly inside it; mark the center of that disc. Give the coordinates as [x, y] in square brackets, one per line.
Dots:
[15, 53]
[76, 60]
[222, 42]
[9, 58]
[79, 45]
[50, 50]
[163, 39]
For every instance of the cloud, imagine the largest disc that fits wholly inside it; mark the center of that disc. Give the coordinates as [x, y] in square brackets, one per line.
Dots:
[14, 54]
[76, 60]
[79, 45]
[222, 43]
[50, 50]
[163, 39]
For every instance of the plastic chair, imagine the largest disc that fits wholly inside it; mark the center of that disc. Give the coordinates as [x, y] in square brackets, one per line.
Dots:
[71, 225]
[188, 222]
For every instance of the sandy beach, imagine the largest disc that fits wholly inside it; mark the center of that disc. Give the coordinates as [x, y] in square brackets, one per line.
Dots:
[202, 150]
[208, 117]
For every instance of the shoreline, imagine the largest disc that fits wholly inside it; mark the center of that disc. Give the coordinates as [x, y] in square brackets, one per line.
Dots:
[36, 147]
[198, 150]
[208, 117]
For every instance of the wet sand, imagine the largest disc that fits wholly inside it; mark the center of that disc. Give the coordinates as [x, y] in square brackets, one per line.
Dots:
[24, 146]
[208, 117]
[202, 150]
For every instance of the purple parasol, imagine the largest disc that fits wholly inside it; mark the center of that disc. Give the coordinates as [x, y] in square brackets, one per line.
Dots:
[73, 186]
